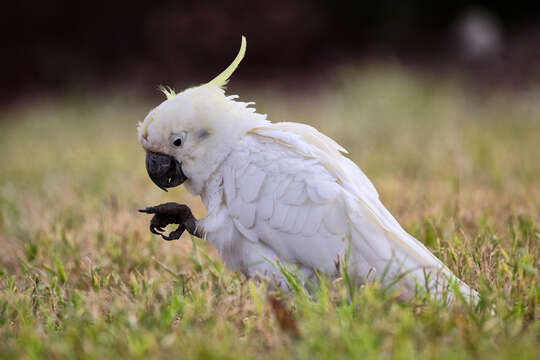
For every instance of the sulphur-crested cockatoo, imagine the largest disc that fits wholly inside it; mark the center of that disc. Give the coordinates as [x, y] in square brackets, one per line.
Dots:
[276, 192]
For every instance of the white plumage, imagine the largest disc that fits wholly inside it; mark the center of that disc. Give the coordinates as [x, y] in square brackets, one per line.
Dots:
[285, 192]
[293, 205]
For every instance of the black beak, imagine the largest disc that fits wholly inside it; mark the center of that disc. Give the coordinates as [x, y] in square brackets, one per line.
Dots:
[164, 170]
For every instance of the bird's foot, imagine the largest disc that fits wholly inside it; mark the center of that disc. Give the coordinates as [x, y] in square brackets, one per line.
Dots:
[171, 213]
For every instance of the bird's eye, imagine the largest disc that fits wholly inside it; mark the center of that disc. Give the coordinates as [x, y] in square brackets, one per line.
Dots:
[178, 139]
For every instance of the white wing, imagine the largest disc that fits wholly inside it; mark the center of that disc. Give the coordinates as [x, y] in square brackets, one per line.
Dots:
[289, 188]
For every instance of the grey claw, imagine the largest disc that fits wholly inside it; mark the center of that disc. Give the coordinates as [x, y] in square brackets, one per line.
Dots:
[174, 235]
[153, 230]
[171, 213]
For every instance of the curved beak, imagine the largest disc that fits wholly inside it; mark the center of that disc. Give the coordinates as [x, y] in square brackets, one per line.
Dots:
[164, 170]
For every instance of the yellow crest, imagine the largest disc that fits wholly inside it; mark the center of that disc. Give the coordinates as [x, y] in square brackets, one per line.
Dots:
[169, 93]
[222, 79]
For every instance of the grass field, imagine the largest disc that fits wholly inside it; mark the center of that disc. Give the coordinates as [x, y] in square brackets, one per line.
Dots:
[82, 277]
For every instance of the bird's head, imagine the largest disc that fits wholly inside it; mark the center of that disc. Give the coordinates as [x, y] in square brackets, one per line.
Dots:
[188, 135]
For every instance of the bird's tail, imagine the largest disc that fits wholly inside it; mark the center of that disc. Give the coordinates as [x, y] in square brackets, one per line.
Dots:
[398, 258]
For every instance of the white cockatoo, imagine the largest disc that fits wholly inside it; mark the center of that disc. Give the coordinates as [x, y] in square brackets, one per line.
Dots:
[276, 192]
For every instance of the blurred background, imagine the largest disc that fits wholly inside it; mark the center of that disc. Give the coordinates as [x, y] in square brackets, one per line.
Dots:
[51, 46]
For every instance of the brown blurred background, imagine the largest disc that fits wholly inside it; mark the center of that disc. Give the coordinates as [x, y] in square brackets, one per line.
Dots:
[57, 45]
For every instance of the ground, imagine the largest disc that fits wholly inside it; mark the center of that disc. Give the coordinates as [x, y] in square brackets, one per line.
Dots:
[82, 277]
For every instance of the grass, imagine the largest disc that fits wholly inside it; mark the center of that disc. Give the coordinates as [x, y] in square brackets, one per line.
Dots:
[82, 277]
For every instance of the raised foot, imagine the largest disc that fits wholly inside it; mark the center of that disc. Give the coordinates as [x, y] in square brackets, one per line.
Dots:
[171, 213]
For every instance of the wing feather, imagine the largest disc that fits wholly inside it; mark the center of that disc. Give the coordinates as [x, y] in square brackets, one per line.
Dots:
[336, 221]
[282, 186]
[305, 201]
[295, 194]
[229, 183]
[292, 214]
[265, 207]
[247, 215]
[250, 184]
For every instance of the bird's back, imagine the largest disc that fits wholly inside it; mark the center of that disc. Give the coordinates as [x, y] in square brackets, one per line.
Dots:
[288, 187]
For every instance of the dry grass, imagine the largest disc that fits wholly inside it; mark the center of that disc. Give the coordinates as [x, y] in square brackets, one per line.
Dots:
[80, 275]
